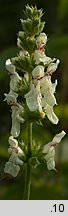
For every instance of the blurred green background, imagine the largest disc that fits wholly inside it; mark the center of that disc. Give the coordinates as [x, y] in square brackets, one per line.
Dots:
[45, 184]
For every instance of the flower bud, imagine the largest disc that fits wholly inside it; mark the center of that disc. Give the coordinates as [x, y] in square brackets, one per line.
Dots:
[41, 40]
[38, 71]
[39, 56]
[53, 66]
[42, 115]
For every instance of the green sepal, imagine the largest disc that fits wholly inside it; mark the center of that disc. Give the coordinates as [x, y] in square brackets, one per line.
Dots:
[23, 87]
[32, 116]
[23, 63]
[23, 147]
[41, 27]
[32, 27]
[27, 26]
[32, 12]
[39, 122]
[28, 43]
[33, 161]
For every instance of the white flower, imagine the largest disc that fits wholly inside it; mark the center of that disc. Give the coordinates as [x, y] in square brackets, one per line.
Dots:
[12, 167]
[48, 90]
[46, 84]
[52, 66]
[58, 137]
[33, 98]
[19, 43]
[17, 111]
[48, 98]
[13, 142]
[50, 114]
[41, 96]
[23, 53]
[14, 77]
[50, 158]
[38, 71]
[49, 150]
[11, 97]
[51, 164]
[9, 66]
[54, 86]
[14, 145]
[39, 56]
[17, 150]
[41, 40]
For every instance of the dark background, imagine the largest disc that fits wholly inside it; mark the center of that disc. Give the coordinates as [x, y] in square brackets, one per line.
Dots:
[45, 184]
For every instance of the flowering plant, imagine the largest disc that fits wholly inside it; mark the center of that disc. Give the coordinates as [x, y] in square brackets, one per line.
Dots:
[31, 97]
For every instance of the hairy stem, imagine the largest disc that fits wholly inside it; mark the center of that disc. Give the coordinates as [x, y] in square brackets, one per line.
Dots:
[28, 167]
[27, 182]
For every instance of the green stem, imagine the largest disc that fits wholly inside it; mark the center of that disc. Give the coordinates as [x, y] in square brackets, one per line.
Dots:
[27, 182]
[28, 167]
